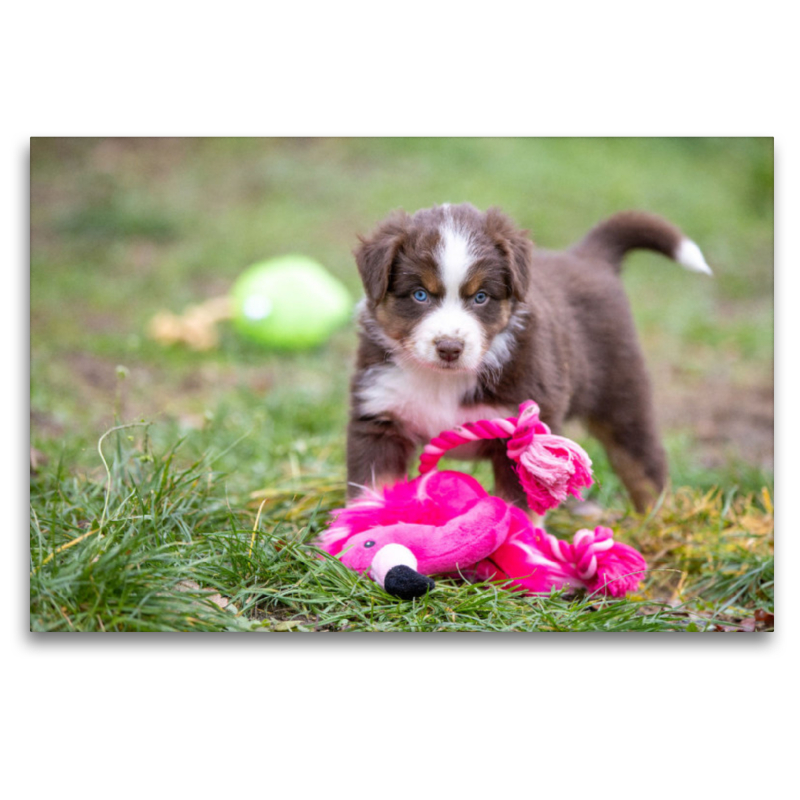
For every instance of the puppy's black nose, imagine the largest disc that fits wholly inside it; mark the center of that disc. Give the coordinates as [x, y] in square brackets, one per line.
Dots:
[449, 349]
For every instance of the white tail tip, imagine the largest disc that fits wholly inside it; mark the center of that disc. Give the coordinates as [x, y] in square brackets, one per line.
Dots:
[690, 256]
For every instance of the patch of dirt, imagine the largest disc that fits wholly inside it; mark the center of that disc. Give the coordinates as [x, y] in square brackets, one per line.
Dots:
[741, 421]
[727, 420]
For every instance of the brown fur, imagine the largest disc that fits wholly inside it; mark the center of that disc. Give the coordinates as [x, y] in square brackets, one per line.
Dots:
[576, 354]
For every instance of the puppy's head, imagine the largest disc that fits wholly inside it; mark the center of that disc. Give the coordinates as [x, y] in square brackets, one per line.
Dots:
[442, 285]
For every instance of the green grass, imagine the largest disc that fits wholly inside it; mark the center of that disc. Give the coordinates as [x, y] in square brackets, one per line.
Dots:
[161, 535]
[158, 546]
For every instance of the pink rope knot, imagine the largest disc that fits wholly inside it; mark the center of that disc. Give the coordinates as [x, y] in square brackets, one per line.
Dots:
[607, 566]
[536, 562]
[583, 553]
[549, 467]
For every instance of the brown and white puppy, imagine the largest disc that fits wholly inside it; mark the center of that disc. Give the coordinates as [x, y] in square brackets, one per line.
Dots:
[464, 319]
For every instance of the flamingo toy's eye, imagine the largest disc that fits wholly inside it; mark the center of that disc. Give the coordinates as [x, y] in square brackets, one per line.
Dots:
[369, 544]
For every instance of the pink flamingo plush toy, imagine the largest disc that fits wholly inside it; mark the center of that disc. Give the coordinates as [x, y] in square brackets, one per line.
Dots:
[445, 522]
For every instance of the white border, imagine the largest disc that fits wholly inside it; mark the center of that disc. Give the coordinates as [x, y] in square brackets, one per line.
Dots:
[297, 707]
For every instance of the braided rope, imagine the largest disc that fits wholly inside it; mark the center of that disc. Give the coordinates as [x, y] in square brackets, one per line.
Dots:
[519, 430]
[582, 555]
[549, 467]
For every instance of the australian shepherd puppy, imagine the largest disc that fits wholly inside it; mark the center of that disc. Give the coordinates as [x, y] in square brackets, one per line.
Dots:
[464, 318]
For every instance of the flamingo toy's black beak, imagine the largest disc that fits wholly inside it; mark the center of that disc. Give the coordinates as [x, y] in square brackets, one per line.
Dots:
[407, 583]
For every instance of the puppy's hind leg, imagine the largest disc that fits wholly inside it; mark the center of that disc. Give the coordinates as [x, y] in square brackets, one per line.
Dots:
[629, 435]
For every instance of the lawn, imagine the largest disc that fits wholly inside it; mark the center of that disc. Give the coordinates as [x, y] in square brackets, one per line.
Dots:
[180, 490]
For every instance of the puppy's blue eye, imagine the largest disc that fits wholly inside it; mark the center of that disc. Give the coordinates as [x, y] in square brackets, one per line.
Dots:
[481, 298]
[420, 295]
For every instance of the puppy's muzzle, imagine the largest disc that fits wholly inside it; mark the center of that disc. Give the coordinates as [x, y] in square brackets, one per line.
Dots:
[449, 350]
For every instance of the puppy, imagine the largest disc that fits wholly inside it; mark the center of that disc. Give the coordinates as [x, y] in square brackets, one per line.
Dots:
[464, 318]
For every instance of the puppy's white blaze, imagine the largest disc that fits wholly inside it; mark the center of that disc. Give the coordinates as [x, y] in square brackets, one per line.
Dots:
[455, 256]
[690, 256]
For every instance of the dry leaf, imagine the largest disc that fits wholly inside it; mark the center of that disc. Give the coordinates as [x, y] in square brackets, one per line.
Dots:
[217, 599]
[764, 618]
[287, 625]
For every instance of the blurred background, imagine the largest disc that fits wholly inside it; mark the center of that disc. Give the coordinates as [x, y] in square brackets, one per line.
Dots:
[122, 229]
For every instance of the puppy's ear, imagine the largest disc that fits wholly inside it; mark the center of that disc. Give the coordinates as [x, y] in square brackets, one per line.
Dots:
[376, 254]
[515, 247]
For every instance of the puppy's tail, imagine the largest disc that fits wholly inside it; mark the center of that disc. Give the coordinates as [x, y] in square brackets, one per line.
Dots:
[629, 230]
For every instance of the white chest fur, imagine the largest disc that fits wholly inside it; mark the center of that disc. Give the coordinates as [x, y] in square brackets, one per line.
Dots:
[427, 402]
